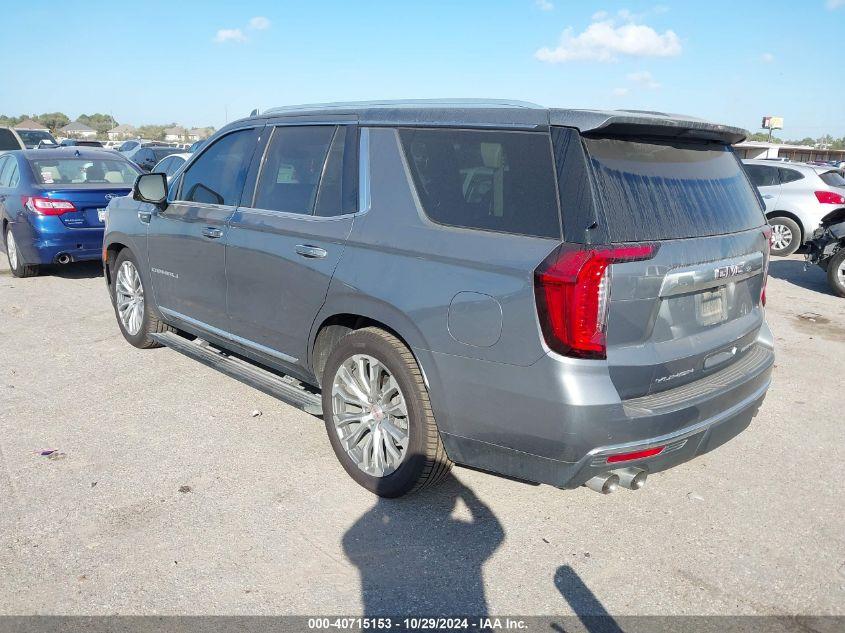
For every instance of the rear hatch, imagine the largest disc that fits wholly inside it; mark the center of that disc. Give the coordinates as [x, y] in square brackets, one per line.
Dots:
[690, 304]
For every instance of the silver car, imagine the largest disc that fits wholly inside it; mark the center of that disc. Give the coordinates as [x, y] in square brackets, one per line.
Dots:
[566, 297]
[797, 197]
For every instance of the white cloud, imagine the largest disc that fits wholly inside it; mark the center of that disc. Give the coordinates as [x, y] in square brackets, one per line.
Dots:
[644, 78]
[544, 5]
[600, 15]
[835, 4]
[767, 58]
[229, 35]
[603, 41]
[620, 92]
[259, 23]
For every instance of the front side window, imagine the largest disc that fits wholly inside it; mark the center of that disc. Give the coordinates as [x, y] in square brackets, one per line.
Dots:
[217, 176]
[293, 167]
[83, 171]
[492, 180]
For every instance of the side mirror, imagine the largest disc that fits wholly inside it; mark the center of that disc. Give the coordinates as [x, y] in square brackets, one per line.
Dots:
[150, 188]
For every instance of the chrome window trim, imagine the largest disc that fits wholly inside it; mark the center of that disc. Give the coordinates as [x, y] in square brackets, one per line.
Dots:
[258, 347]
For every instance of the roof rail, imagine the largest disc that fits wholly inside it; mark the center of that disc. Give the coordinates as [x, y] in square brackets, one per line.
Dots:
[406, 103]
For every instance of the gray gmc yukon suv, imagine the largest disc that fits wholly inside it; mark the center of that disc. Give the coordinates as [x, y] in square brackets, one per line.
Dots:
[566, 297]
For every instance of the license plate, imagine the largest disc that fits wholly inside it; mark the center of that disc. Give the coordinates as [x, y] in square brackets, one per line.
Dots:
[711, 307]
[101, 215]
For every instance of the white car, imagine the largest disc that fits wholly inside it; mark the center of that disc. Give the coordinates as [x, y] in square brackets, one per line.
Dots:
[169, 165]
[797, 197]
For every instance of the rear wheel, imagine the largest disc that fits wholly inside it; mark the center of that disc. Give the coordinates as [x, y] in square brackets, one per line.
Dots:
[786, 236]
[13, 254]
[135, 315]
[836, 272]
[378, 415]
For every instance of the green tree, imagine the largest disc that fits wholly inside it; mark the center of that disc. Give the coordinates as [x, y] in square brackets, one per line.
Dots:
[763, 136]
[100, 122]
[53, 120]
[152, 132]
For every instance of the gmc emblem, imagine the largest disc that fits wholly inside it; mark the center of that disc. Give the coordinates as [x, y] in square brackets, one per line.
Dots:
[728, 271]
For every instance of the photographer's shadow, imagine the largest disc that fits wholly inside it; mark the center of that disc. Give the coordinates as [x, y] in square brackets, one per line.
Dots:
[413, 556]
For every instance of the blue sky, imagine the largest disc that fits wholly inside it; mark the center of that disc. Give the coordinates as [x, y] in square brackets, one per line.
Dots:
[198, 63]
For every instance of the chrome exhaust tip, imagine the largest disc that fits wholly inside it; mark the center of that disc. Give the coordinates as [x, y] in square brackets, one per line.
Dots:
[604, 483]
[631, 478]
[64, 258]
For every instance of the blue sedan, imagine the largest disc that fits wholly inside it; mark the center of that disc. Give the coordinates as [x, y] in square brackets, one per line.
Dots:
[53, 201]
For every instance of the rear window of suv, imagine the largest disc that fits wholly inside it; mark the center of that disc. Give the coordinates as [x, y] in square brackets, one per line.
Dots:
[655, 190]
[491, 180]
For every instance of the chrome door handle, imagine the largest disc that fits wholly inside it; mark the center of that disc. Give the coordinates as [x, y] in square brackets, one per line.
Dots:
[313, 252]
[212, 233]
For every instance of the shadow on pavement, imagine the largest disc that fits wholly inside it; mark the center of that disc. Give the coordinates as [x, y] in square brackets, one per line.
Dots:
[583, 602]
[76, 270]
[415, 557]
[792, 271]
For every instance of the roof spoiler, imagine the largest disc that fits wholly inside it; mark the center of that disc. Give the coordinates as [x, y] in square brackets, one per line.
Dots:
[648, 124]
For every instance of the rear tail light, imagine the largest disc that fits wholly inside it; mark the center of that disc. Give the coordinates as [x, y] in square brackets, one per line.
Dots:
[572, 290]
[627, 457]
[47, 206]
[829, 197]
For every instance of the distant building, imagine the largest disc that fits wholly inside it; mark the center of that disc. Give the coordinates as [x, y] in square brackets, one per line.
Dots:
[29, 124]
[798, 153]
[175, 134]
[78, 130]
[200, 133]
[122, 132]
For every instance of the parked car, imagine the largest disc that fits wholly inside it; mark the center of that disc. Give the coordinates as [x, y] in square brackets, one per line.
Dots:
[797, 197]
[75, 142]
[562, 296]
[52, 204]
[146, 157]
[169, 165]
[37, 138]
[827, 250]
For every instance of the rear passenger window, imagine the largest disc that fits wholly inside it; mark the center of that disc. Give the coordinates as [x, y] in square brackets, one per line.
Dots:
[492, 180]
[789, 175]
[218, 175]
[293, 166]
[761, 176]
[8, 140]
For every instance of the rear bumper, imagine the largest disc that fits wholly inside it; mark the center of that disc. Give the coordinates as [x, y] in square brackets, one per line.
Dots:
[43, 241]
[529, 436]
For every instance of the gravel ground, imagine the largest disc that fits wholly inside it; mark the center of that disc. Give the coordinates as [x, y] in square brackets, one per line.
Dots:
[167, 496]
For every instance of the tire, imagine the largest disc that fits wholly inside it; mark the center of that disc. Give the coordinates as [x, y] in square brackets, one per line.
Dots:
[789, 227]
[836, 272]
[423, 461]
[13, 255]
[138, 330]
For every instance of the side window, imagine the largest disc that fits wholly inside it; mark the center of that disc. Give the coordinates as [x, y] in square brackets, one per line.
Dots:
[493, 180]
[338, 193]
[8, 140]
[292, 169]
[175, 164]
[164, 166]
[4, 166]
[762, 176]
[217, 176]
[14, 175]
[789, 175]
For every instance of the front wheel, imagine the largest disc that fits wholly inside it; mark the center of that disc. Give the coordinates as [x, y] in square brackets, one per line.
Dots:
[786, 236]
[378, 415]
[135, 315]
[13, 254]
[836, 272]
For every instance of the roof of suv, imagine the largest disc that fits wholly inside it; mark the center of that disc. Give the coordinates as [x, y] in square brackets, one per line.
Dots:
[803, 167]
[518, 114]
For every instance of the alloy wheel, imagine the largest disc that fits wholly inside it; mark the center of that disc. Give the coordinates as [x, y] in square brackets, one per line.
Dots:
[781, 237]
[11, 249]
[370, 415]
[129, 296]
